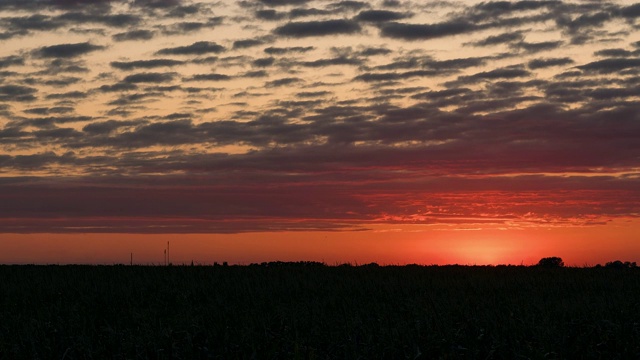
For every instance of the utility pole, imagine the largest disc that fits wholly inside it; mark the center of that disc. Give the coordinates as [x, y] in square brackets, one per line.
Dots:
[131, 259]
[168, 258]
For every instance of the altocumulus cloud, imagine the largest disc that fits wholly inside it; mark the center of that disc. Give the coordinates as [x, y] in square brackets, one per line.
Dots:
[67, 50]
[275, 115]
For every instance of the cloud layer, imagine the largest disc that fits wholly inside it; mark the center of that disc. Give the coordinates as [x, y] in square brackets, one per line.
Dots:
[194, 117]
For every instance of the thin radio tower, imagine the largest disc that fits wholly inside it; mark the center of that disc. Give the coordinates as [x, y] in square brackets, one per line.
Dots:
[168, 259]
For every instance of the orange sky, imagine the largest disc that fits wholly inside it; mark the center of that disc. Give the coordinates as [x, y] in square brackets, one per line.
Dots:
[384, 131]
[582, 246]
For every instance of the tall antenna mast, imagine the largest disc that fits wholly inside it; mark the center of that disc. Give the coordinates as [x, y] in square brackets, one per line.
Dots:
[168, 259]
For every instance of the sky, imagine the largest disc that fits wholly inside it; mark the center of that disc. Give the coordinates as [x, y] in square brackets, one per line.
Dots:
[396, 132]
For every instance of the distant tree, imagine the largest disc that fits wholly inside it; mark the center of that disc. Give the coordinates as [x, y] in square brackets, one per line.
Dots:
[617, 264]
[551, 262]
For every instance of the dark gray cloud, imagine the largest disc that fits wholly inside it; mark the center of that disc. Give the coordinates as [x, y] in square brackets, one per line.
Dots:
[134, 35]
[19, 93]
[149, 77]
[11, 60]
[51, 110]
[67, 95]
[608, 66]
[312, 94]
[348, 5]
[617, 53]
[306, 12]
[208, 77]
[197, 48]
[549, 62]
[371, 51]
[247, 43]
[67, 50]
[255, 74]
[381, 16]
[36, 22]
[112, 20]
[269, 15]
[500, 73]
[286, 50]
[108, 127]
[318, 28]
[145, 64]
[118, 87]
[424, 31]
[340, 60]
[283, 2]
[394, 76]
[187, 27]
[282, 82]
[263, 62]
[631, 11]
[539, 46]
[504, 38]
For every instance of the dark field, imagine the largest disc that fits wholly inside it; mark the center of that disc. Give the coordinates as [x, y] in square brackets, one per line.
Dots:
[311, 311]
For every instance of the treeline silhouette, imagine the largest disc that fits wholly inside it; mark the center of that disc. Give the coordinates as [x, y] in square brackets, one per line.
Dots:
[546, 262]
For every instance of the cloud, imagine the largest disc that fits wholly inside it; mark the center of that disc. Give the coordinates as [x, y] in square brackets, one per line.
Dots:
[186, 27]
[121, 86]
[67, 95]
[312, 94]
[540, 46]
[197, 48]
[282, 82]
[247, 43]
[67, 50]
[51, 110]
[504, 38]
[263, 62]
[394, 76]
[11, 60]
[608, 66]
[112, 20]
[107, 127]
[631, 11]
[424, 31]
[549, 62]
[145, 64]
[340, 60]
[306, 12]
[269, 15]
[134, 35]
[17, 93]
[500, 73]
[381, 16]
[286, 50]
[149, 77]
[283, 2]
[614, 53]
[208, 77]
[372, 51]
[318, 28]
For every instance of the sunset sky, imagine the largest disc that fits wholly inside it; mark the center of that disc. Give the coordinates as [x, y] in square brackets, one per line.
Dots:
[428, 132]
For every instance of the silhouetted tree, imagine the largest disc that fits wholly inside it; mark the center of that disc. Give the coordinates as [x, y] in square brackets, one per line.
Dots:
[551, 262]
[617, 264]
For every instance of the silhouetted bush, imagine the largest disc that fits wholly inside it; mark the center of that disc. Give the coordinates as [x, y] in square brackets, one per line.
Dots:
[551, 262]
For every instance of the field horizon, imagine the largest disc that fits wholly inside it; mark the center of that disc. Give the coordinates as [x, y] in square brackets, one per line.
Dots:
[311, 311]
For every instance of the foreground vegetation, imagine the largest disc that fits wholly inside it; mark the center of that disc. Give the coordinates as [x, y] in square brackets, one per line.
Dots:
[306, 310]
